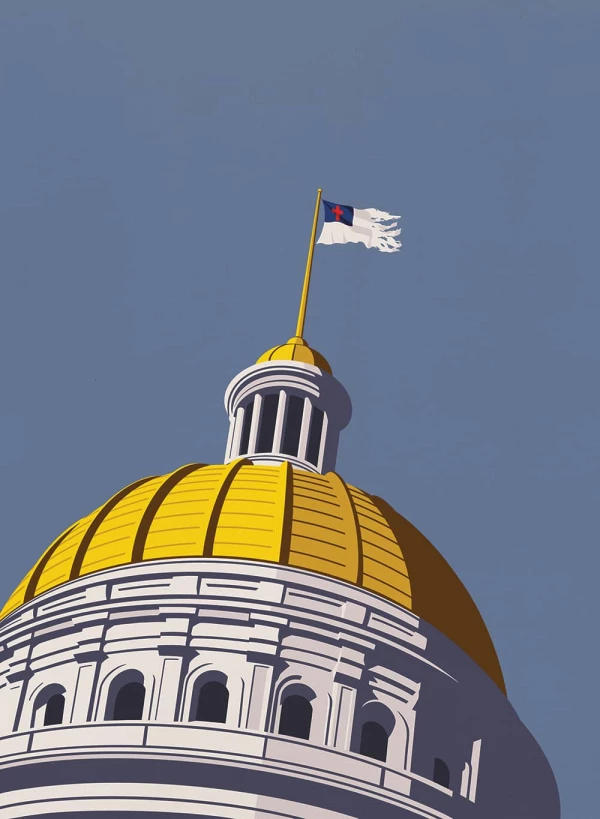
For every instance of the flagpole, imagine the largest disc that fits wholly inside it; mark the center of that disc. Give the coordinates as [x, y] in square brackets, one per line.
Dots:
[306, 285]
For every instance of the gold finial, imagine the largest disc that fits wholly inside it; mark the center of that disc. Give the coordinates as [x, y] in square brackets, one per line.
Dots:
[304, 297]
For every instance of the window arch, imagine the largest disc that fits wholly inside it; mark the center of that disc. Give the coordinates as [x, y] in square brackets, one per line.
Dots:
[374, 741]
[296, 713]
[212, 700]
[373, 729]
[126, 697]
[441, 773]
[49, 706]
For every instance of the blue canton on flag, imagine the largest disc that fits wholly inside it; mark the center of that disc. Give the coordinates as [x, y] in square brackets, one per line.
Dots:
[338, 213]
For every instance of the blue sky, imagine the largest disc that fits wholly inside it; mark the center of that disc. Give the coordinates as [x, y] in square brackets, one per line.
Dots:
[159, 163]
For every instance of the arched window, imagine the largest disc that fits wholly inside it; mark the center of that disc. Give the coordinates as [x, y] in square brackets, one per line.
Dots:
[374, 726]
[126, 697]
[213, 699]
[295, 717]
[373, 741]
[55, 709]
[441, 773]
[49, 707]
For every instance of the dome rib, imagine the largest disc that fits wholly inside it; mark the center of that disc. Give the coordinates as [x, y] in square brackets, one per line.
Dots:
[42, 563]
[216, 504]
[287, 494]
[139, 543]
[351, 523]
[97, 522]
[384, 566]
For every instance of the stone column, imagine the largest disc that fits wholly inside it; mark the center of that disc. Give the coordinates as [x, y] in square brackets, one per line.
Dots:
[20, 679]
[86, 685]
[257, 709]
[339, 734]
[175, 662]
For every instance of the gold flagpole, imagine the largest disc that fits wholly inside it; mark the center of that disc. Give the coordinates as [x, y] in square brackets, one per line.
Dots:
[311, 249]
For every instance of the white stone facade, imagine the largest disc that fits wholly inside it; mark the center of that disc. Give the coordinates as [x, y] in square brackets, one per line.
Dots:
[264, 634]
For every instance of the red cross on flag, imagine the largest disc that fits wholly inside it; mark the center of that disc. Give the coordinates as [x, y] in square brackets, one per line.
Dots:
[371, 227]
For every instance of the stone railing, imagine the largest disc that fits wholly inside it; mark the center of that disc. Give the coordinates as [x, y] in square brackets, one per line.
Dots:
[238, 748]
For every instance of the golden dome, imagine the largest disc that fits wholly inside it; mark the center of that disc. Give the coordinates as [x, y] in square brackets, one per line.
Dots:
[275, 514]
[296, 349]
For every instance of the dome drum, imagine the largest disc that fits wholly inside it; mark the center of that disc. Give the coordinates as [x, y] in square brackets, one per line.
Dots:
[270, 638]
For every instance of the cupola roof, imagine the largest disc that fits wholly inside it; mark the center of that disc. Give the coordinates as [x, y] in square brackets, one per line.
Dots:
[296, 349]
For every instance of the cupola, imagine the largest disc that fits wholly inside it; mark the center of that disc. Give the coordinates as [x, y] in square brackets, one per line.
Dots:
[287, 407]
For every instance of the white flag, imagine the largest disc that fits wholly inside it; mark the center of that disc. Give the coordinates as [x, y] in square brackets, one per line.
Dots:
[371, 227]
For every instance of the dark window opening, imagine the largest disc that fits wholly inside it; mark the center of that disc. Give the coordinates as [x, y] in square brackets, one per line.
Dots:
[213, 700]
[267, 422]
[374, 741]
[129, 702]
[293, 424]
[314, 437]
[55, 708]
[296, 717]
[441, 773]
[245, 440]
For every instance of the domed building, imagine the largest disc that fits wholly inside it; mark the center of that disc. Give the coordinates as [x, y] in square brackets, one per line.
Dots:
[257, 638]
